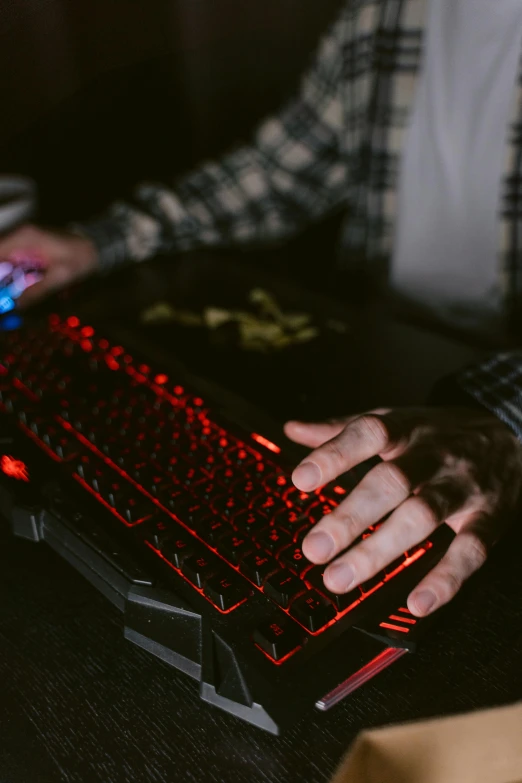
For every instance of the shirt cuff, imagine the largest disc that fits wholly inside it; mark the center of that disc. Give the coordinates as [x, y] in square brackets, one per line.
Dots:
[496, 384]
[109, 239]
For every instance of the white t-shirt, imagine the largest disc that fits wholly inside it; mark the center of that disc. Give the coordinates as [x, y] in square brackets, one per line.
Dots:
[447, 233]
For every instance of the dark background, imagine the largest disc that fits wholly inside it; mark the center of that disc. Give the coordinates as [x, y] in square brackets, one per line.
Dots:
[96, 95]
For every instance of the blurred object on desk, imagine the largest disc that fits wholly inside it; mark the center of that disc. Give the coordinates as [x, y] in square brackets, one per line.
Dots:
[267, 329]
[482, 747]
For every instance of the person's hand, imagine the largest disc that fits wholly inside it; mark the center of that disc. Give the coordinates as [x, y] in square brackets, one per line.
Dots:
[64, 258]
[459, 466]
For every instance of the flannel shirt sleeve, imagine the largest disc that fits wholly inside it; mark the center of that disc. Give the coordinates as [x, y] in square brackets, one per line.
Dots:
[497, 384]
[291, 175]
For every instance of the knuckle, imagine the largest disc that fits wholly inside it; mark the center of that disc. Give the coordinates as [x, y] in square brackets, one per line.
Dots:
[474, 552]
[374, 427]
[447, 586]
[393, 478]
[334, 454]
[424, 512]
[343, 526]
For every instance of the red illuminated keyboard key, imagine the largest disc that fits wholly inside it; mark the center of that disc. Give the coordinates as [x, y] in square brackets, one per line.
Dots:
[283, 587]
[312, 610]
[278, 638]
[293, 559]
[258, 566]
[226, 590]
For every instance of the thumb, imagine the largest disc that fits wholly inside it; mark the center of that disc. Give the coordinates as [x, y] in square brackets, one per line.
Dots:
[313, 434]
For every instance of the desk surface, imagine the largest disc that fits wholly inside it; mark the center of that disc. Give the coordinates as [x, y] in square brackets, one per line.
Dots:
[80, 704]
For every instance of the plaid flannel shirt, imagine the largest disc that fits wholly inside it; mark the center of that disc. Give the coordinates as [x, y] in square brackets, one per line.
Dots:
[337, 144]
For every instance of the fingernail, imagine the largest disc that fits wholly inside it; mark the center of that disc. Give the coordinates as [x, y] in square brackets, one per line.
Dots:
[306, 476]
[340, 578]
[424, 601]
[318, 547]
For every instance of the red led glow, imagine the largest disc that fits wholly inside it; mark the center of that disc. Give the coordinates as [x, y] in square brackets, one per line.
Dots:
[87, 331]
[144, 368]
[86, 345]
[14, 468]
[266, 443]
[178, 390]
[393, 627]
[273, 660]
[408, 620]
[103, 343]
[161, 379]
[73, 322]
[112, 364]
[339, 491]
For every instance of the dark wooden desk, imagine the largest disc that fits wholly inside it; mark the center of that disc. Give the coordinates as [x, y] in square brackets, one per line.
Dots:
[79, 704]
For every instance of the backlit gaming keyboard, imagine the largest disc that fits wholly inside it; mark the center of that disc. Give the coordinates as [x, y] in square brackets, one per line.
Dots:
[190, 527]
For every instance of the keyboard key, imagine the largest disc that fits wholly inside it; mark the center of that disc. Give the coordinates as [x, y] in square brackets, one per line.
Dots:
[290, 520]
[299, 500]
[136, 508]
[234, 547]
[188, 510]
[228, 505]
[177, 549]
[273, 540]
[258, 566]
[249, 522]
[157, 529]
[268, 505]
[212, 528]
[312, 610]
[292, 558]
[278, 638]
[283, 587]
[198, 568]
[278, 483]
[226, 590]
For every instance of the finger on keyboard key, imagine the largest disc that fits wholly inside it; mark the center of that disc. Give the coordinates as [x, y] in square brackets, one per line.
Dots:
[226, 590]
[315, 579]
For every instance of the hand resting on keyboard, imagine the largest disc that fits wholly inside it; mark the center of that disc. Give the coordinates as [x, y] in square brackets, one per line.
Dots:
[459, 466]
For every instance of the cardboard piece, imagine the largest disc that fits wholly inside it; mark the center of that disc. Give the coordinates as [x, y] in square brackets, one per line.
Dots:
[481, 747]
